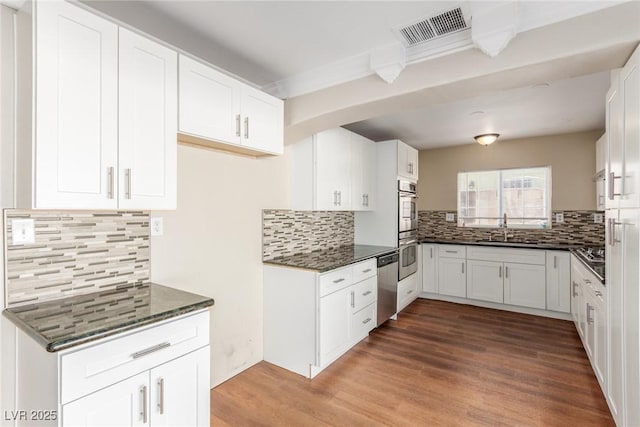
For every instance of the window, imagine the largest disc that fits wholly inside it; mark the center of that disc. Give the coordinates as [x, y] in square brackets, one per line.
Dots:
[524, 195]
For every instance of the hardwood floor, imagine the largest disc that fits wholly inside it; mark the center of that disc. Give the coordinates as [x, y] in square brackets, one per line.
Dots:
[439, 364]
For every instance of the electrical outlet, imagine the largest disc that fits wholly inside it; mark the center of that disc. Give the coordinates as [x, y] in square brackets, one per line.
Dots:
[23, 232]
[559, 217]
[450, 217]
[597, 218]
[156, 226]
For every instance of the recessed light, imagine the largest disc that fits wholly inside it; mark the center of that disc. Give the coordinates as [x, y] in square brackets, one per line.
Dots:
[477, 113]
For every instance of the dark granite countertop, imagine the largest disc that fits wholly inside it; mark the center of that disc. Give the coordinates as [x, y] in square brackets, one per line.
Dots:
[67, 322]
[330, 259]
[511, 244]
[598, 269]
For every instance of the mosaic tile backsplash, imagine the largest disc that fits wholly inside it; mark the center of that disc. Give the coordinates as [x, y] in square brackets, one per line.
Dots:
[286, 232]
[75, 253]
[578, 227]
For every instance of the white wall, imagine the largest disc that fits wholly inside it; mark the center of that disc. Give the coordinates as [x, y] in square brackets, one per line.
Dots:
[212, 245]
[7, 139]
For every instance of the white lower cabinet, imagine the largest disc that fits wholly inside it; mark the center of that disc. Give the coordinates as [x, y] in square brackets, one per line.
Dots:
[452, 274]
[484, 281]
[311, 319]
[558, 275]
[429, 268]
[407, 291]
[524, 285]
[172, 394]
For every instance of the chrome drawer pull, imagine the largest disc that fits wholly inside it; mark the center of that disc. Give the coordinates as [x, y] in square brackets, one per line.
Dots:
[451, 252]
[367, 270]
[150, 350]
[364, 322]
[338, 280]
[366, 293]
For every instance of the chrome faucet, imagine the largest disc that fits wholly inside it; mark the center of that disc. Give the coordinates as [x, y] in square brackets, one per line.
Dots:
[504, 227]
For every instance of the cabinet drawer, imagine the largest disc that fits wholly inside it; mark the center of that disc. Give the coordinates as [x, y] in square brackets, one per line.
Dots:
[520, 256]
[363, 322]
[364, 293]
[364, 270]
[335, 280]
[452, 251]
[114, 359]
[407, 291]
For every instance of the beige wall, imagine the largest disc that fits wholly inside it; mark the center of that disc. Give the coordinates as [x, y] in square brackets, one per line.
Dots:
[571, 157]
[212, 246]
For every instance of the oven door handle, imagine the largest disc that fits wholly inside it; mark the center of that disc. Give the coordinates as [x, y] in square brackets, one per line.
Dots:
[410, 242]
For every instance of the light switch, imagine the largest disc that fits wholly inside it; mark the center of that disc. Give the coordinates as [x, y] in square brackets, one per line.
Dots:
[23, 232]
[449, 217]
[156, 226]
[559, 217]
[597, 218]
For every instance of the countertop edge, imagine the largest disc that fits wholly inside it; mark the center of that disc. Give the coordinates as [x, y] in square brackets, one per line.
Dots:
[498, 244]
[333, 267]
[55, 346]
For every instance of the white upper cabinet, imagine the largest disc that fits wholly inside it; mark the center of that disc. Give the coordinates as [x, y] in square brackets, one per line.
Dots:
[105, 114]
[148, 124]
[262, 121]
[623, 136]
[76, 109]
[333, 170]
[222, 112]
[209, 102]
[407, 162]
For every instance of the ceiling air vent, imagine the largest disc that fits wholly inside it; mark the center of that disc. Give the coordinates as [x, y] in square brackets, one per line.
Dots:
[431, 28]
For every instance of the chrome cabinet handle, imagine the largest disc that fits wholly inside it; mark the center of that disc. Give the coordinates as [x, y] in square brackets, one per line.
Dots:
[410, 292]
[612, 231]
[246, 127]
[573, 291]
[500, 272]
[367, 270]
[611, 185]
[506, 272]
[335, 198]
[589, 309]
[367, 320]
[143, 411]
[237, 124]
[462, 267]
[451, 252]
[353, 299]
[587, 281]
[598, 293]
[150, 350]
[555, 261]
[366, 293]
[367, 196]
[339, 280]
[110, 182]
[127, 189]
[161, 397]
[431, 253]
[339, 198]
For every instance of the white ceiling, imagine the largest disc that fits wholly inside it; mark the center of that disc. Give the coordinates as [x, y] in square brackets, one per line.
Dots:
[564, 106]
[296, 44]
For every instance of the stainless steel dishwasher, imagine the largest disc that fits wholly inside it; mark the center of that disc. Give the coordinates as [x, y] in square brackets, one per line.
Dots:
[387, 286]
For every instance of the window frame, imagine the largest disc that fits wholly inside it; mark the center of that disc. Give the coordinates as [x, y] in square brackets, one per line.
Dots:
[548, 200]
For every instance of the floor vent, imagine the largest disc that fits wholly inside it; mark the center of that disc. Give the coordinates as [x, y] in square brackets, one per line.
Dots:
[431, 28]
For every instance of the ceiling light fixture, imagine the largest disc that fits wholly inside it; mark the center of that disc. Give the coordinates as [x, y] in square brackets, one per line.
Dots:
[486, 138]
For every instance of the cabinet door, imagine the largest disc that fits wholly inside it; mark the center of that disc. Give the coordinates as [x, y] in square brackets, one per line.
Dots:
[484, 281]
[262, 121]
[558, 281]
[179, 391]
[76, 107]
[576, 296]
[615, 150]
[209, 103]
[629, 236]
[370, 174]
[524, 285]
[452, 278]
[412, 159]
[358, 146]
[333, 170]
[429, 271]
[335, 320]
[615, 316]
[121, 405]
[600, 346]
[630, 92]
[589, 332]
[407, 291]
[148, 123]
